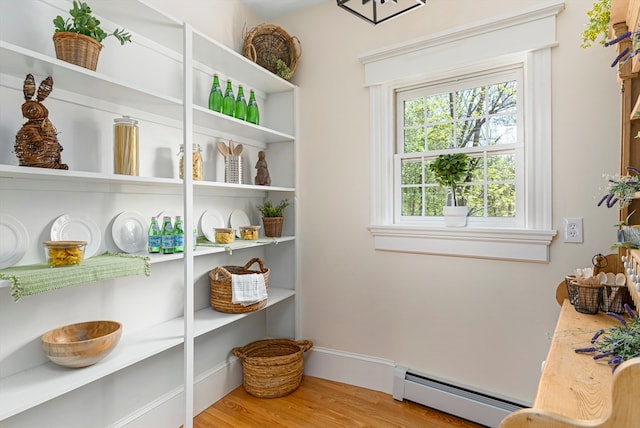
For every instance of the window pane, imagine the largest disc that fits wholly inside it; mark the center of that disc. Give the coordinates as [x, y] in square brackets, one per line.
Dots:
[413, 140]
[434, 198]
[468, 133]
[440, 137]
[502, 97]
[501, 167]
[411, 201]
[475, 200]
[439, 108]
[502, 130]
[477, 169]
[470, 103]
[411, 172]
[414, 112]
[501, 200]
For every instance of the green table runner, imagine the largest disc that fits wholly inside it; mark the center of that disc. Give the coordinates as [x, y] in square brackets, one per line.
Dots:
[39, 278]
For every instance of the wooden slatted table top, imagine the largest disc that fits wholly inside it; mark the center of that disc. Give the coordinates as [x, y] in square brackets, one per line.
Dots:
[572, 384]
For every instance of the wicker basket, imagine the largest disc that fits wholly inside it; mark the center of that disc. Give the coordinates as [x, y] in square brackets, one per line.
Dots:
[273, 226]
[77, 49]
[614, 297]
[272, 367]
[221, 294]
[267, 40]
[588, 299]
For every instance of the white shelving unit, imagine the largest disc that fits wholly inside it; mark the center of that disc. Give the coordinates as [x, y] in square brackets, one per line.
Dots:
[169, 310]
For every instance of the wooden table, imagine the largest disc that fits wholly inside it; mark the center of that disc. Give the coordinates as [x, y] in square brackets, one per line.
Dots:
[577, 391]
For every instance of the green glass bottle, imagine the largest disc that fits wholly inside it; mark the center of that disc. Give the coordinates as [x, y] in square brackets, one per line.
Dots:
[215, 96]
[240, 111]
[178, 236]
[155, 240]
[253, 114]
[167, 236]
[229, 101]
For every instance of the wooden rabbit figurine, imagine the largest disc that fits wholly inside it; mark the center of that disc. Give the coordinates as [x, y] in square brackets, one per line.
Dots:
[37, 141]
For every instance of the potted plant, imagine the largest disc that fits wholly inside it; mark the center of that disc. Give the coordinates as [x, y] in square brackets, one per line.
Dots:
[450, 170]
[78, 38]
[621, 191]
[273, 217]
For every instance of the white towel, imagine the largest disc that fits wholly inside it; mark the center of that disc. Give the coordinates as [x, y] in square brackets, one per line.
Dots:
[248, 289]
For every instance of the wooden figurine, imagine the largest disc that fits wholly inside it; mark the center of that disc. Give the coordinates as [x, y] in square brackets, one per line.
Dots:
[262, 176]
[37, 141]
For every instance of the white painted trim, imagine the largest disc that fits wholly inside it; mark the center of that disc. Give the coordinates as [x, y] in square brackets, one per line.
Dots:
[502, 244]
[525, 38]
[353, 369]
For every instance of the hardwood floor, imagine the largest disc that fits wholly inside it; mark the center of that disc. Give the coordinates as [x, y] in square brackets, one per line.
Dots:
[323, 404]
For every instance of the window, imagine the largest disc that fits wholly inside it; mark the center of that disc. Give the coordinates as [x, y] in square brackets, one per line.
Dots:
[420, 94]
[479, 116]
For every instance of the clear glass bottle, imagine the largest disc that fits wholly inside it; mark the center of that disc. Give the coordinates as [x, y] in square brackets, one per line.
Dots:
[178, 235]
[215, 96]
[240, 111]
[229, 101]
[125, 146]
[253, 114]
[155, 238]
[196, 161]
[167, 236]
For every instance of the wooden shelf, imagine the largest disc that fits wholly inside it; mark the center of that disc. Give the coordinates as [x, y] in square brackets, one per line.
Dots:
[30, 388]
[576, 391]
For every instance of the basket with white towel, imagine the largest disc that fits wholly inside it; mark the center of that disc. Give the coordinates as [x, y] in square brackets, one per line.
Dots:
[239, 289]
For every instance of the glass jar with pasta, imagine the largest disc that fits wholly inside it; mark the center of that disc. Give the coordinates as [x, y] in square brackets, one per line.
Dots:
[196, 161]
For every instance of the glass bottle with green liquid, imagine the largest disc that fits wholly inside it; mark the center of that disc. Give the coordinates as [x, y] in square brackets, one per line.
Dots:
[229, 101]
[240, 111]
[215, 96]
[253, 114]
[178, 236]
[167, 236]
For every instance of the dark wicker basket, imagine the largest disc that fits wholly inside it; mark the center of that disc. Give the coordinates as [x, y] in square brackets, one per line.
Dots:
[272, 367]
[221, 295]
[588, 299]
[266, 41]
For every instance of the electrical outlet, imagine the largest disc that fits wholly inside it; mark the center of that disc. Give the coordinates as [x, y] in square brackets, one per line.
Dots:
[573, 229]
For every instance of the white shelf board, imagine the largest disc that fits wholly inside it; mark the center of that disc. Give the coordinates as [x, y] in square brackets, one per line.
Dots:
[124, 181]
[32, 387]
[200, 251]
[72, 78]
[213, 120]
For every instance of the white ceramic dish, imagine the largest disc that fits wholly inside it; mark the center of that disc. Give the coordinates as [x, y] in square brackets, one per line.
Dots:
[129, 232]
[210, 220]
[14, 242]
[239, 218]
[77, 227]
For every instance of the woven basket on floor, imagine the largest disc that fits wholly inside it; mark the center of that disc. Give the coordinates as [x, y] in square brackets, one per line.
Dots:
[77, 49]
[267, 40]
[272, 367]
[221, 294]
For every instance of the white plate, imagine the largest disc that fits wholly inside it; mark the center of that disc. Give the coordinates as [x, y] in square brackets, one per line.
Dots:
[209, 220]
[129, 232]
[14, 242]
[239, 218]
[77, 227]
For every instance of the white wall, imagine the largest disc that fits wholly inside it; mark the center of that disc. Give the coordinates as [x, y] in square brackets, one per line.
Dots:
[482, 323]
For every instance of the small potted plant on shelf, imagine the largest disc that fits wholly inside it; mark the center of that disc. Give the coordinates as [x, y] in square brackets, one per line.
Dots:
[273, 217]
[78, 38]
[450, 170]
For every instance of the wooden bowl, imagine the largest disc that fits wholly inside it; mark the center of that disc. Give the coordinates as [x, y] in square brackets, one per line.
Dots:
[81, 344]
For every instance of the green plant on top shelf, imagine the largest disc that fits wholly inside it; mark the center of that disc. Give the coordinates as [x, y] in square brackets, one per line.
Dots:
[267, 209]
[282, 69]
[83, 22]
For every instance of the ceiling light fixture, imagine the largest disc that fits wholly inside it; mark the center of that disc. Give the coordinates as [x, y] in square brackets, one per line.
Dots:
[377, 11]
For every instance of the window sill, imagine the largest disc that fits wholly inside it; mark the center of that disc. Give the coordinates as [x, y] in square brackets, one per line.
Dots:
[501, 244]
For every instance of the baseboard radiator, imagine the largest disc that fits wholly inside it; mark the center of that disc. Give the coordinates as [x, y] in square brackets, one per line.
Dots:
[464, 403]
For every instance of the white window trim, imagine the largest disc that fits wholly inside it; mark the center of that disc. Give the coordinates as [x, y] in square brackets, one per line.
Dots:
[526, 36]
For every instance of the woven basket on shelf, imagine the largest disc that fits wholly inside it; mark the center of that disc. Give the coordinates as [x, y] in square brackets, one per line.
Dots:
[77, 49]
[273, 226]
[266, 41]
[220, 286]
[272, 367]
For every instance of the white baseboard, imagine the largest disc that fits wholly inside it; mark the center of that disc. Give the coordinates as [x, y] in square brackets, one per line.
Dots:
[353, 369]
